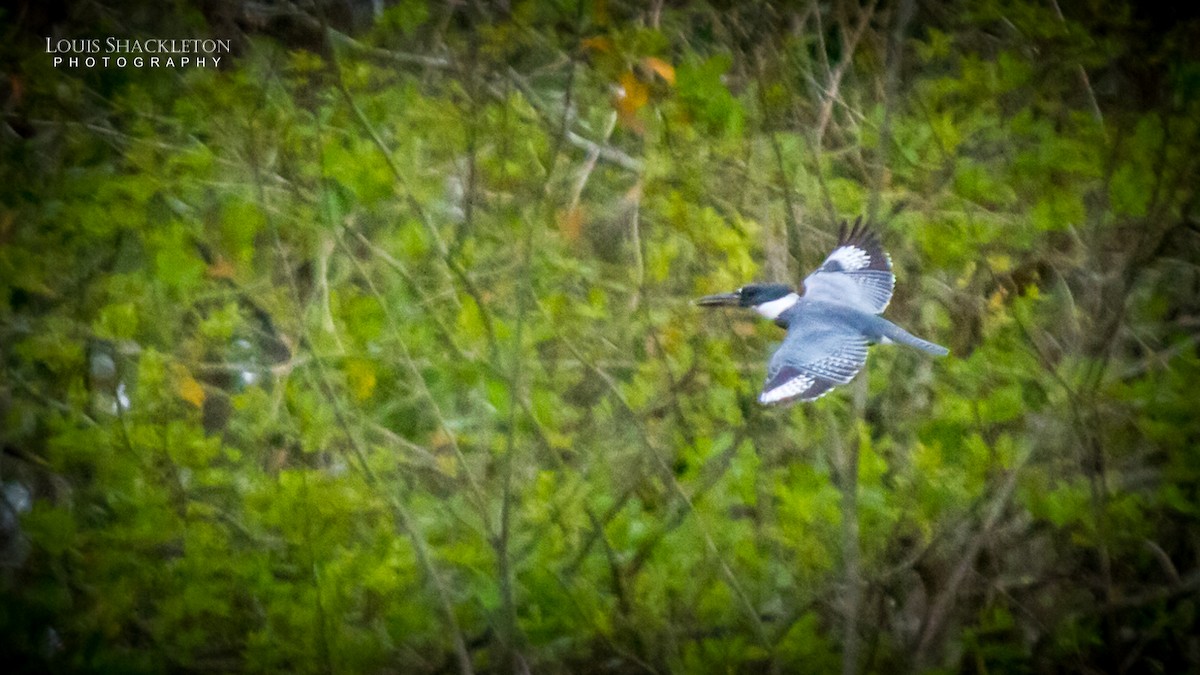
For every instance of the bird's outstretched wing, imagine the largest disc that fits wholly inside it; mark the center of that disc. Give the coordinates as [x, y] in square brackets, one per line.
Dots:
[814, 358]
[858, 273]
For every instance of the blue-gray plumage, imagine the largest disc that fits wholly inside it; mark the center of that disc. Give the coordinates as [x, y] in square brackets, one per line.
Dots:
[831, 325]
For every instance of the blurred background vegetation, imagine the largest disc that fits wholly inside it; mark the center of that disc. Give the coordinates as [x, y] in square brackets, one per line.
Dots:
[373, 350]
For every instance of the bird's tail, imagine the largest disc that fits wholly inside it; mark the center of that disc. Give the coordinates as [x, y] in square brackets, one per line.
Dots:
[897, 334]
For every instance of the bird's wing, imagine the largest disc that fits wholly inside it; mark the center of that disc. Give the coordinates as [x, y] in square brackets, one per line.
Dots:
[814, 358]
[857, 273]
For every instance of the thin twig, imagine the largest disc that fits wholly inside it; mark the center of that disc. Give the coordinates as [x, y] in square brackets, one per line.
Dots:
[851, 553]
[939, 612]
[323, 384]
[672, 482]
[835, 80]
[891, 91]
[1083, 76]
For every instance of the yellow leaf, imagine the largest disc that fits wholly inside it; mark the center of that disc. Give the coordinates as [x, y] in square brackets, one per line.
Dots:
[664, 70]
[632, 95]
[446, 464]
[441, 444]
[996, 301]
[1000, 263]
[360, 375]
[189, 389]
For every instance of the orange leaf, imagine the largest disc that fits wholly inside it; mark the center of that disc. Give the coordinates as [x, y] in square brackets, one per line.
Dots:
[220, 269]
[18, 88]
[600, 12]
[665, 70]
[441, 440]
[744, 328]
[6, 221]
[598, 43]
[570, 223]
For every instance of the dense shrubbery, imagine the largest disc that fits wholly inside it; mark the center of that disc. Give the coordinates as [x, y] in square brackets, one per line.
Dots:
[378, 353]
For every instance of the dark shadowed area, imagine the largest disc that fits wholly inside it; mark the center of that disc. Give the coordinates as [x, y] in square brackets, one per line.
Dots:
[373, 347]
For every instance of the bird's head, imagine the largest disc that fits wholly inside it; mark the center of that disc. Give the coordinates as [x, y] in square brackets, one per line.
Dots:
[769, 300]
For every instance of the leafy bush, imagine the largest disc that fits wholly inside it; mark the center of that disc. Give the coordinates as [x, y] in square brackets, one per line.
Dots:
[377, 353]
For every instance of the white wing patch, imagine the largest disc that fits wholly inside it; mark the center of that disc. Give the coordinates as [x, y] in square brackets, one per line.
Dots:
[858, 273]
[849, 257]
[814, 358]
[790, 389]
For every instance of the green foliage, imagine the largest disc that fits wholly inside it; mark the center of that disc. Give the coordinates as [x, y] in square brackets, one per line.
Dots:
[378, 353]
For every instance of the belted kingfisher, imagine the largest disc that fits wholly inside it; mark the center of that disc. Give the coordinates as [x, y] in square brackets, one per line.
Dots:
[830, 326]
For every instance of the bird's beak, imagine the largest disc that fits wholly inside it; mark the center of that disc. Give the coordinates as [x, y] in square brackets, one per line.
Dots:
[720, 300]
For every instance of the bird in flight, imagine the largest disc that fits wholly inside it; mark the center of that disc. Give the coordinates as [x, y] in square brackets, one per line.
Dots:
[831, 324]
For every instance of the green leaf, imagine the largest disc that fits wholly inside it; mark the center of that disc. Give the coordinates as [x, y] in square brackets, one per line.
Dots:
[52, 528]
